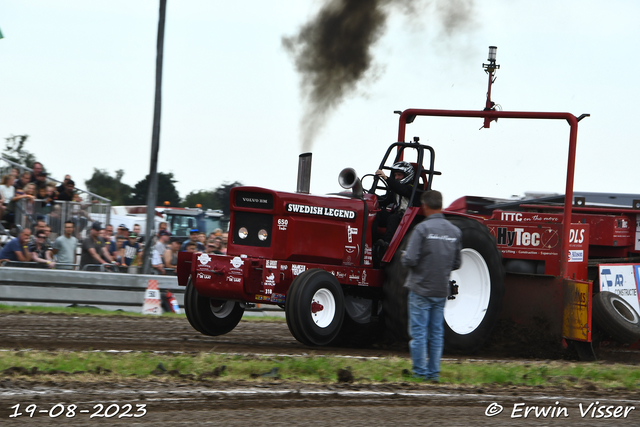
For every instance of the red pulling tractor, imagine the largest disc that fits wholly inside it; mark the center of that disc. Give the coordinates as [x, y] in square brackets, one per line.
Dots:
[564, 264]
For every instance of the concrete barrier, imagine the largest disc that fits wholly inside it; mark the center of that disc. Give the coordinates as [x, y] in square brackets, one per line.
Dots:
[108, 291]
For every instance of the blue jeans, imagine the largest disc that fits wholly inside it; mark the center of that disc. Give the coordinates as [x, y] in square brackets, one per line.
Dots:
[426, 328]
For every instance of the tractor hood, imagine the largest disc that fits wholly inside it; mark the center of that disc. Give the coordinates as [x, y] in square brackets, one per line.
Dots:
[293, 226]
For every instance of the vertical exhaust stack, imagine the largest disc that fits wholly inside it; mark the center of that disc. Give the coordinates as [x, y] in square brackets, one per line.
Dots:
[304, 173]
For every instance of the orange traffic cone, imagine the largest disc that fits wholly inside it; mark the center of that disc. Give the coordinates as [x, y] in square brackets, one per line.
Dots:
[152, 299]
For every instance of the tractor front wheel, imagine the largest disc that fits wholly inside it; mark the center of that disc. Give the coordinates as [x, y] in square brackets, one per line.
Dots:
[315, 307]
[190, 306]
[210, 316]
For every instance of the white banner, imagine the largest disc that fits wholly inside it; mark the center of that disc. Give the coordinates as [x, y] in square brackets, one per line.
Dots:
[621, 280]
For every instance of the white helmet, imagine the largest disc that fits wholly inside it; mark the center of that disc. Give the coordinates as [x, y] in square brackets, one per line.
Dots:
[406, 169]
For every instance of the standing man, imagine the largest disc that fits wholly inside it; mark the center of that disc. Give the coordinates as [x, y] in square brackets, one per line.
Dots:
[37, 170]
[193, 238]
[136, 231]
[110, 241]
[64, 248]
[122, 231]
[432, 253]
[60, 188]
[25, 178]
[170, 256]
[68, 192]
[92, 247]
[131, 249]
[40, 181]
[163, 239]
[108, 233]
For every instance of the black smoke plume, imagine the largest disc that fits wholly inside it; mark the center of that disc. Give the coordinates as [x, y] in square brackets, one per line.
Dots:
[333, 51]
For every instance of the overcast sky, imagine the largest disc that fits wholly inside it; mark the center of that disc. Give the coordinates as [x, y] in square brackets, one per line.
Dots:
[78, 77]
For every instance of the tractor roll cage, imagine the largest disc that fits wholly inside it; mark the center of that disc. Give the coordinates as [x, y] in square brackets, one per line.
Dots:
[407, 116]
[419, 169]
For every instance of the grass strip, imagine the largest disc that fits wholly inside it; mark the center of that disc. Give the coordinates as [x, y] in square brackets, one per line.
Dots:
[35, 309]
[95, 366]
[91, 311]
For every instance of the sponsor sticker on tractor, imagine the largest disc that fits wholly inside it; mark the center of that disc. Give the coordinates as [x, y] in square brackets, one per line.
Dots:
[283, 223]
[576, 256]
[237, 262]
[297, 269]
[577, 302]
[204, 259]
[351, 231]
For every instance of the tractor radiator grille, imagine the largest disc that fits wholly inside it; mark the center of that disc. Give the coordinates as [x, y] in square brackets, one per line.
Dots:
[253, 222]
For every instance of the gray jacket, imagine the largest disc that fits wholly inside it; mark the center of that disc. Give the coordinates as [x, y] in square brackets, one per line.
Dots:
[433, 251]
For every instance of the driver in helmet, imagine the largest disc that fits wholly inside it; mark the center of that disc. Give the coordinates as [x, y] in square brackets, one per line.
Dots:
[400, 185]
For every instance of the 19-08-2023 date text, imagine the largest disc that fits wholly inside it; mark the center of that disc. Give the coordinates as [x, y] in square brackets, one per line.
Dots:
[99, 410]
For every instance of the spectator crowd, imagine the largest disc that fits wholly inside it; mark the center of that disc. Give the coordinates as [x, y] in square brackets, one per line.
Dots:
[21, 191]
[101, 249]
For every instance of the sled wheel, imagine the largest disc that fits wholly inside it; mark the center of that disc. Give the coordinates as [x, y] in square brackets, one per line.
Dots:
[315, 307]
[472, 315]
[210, 316]
[616, 317]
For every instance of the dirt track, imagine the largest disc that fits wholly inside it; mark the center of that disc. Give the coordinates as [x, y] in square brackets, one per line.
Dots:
[59, 331]
[242, 403]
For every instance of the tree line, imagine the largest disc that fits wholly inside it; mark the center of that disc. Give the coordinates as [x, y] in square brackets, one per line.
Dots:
[112, 187]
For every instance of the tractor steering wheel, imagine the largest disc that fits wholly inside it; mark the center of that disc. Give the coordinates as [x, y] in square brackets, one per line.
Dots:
[373, 189]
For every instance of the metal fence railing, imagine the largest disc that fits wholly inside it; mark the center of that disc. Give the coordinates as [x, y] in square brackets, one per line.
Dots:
[6, 167]
[25, 214]
[104, 268]
[33, 264]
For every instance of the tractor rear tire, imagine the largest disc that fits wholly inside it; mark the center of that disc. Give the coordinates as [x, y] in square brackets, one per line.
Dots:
[472, 315]
[210, 316]
[395, 295]
[470, 318]
[616, 317]
[315, 307]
